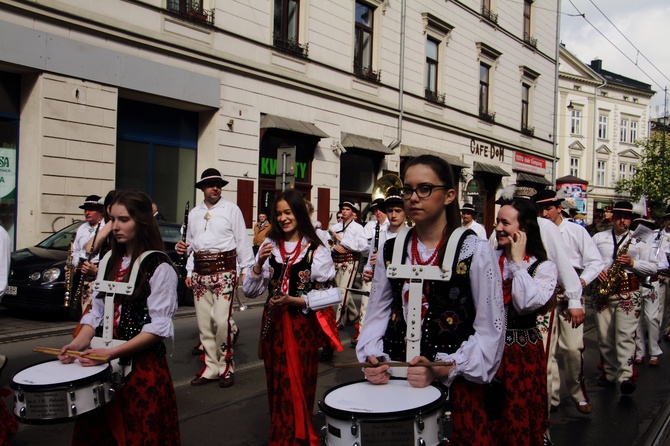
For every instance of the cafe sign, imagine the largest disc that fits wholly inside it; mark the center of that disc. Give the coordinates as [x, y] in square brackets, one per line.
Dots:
[487, 150]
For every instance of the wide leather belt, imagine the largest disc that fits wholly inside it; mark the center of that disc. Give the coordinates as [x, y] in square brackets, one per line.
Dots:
[653, 278]
[664, 273]
[206, 262]
[632, 283]
[348, 256]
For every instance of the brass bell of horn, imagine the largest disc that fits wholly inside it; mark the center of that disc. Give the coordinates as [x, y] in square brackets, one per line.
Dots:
[384, 184]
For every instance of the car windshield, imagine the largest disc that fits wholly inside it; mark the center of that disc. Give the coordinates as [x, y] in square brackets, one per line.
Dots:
[60, 240]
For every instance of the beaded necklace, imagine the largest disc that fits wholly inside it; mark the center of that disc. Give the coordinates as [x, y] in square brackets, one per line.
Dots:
[289, 259]
[416, 256]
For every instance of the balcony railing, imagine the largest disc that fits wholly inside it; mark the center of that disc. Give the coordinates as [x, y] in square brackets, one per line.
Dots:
[527, 130]
[527, 38]
[489, 15]
[290, 46]
[487, 115]
[367, 73]
[435, 96]
[192, 9]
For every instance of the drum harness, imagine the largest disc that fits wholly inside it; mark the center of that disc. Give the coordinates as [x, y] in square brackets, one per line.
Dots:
[417, 274]
[111, 288]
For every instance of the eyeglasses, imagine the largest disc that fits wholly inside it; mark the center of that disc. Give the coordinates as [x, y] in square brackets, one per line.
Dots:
[339, 217]
[422, 191]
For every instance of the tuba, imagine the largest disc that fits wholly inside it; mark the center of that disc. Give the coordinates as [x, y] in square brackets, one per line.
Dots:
[615, 273]
[384, 184]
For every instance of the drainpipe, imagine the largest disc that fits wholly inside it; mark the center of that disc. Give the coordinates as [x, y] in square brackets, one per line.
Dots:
[554, 139]
[401, 83]
[595, 133]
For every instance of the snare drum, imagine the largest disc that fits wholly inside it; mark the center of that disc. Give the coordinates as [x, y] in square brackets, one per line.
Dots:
[54, 392]
[391, 414]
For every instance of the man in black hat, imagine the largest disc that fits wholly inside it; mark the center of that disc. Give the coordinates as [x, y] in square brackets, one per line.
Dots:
[584, 257]
[82, 260]
[617, 311]
[218, 246]
[350, 244]
[468, 213]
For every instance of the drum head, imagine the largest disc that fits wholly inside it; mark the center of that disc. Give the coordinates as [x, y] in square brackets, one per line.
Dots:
[392, 401]
[53, 373]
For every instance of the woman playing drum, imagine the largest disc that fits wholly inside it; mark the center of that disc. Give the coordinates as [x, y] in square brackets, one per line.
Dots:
[299, 270]
[144, 409]
[462, 320]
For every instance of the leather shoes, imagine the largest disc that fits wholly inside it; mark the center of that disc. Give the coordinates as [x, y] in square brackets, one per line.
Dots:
[201, 381]
[627, 387]
[583, 408]
[227, 380]
[653, 362]
[639, 361]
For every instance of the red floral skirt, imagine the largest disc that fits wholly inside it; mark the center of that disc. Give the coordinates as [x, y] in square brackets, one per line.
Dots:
[143, 412]
[8, 424]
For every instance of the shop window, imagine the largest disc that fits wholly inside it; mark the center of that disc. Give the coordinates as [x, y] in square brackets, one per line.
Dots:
[156, 153]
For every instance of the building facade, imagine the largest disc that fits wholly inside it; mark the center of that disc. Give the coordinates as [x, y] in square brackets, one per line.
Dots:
[602, 120]
[146, 94]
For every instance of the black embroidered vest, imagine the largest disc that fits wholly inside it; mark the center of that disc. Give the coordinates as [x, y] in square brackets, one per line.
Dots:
[134, 309]
[300, 280]
[449, 319]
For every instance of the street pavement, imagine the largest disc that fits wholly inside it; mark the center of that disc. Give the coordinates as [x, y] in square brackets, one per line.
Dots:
[239, 415]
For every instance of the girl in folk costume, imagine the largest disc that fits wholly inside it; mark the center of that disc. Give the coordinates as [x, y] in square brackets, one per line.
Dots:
[144, 409]
[529, 280]
[462, 320]
[298, 317]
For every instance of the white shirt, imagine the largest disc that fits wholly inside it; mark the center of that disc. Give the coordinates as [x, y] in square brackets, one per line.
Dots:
[644, 261]
[323, 270]
[383, 237]
[224, 231]
[478, 228]
[478, 357]
[5, 259]
[370, 226]
[553, 244]
[162, 302]
[529, 293]
[581, 251]
[85, 232]
[353, 236]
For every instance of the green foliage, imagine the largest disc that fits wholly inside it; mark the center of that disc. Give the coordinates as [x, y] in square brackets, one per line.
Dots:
[652, 177]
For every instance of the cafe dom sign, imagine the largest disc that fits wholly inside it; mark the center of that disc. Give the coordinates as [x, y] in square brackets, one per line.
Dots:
[486, 150]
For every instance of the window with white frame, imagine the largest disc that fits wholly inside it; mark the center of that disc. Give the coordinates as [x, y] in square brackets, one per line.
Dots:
[484, 84]
[623, 132]
[432, 47]
[574, 166]
[488, 58]
[631, 170]
[602, 127]
[633, 131]
[437, 34]
[576, 122]
[600, 180]
[622, 171]
[286, 26]
[525, 103]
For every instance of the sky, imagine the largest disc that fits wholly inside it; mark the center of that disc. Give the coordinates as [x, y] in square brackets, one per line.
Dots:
[644, 23]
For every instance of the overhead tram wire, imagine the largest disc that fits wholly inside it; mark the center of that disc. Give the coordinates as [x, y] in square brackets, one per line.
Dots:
[628, 40]
[618, 49]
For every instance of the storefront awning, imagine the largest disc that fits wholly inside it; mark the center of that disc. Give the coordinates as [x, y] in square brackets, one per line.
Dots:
[489, 168]
[291, 125]
[522, 176]
[417, 151]
[349, 140]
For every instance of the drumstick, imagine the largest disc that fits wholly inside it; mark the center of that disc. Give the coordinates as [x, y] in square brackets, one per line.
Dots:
[57, 352]
[393, 364]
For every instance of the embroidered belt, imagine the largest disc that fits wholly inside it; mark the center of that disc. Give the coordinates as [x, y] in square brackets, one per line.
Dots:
[664, 273]
[206, 262]
[522, 336]
[348, 256]
[632, 283]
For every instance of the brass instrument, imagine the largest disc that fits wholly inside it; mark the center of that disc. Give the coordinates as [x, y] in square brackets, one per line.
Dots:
[384, 184]
[77, 297]
[69, 274]
[615, 273]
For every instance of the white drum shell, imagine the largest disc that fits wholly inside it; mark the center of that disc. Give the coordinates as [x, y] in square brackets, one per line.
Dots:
[55, 392]
[382, 414]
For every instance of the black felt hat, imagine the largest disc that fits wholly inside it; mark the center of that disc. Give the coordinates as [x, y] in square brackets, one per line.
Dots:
[210, 176]
[92, 202]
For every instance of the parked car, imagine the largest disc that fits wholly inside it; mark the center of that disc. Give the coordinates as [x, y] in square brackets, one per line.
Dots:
[37, 277]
